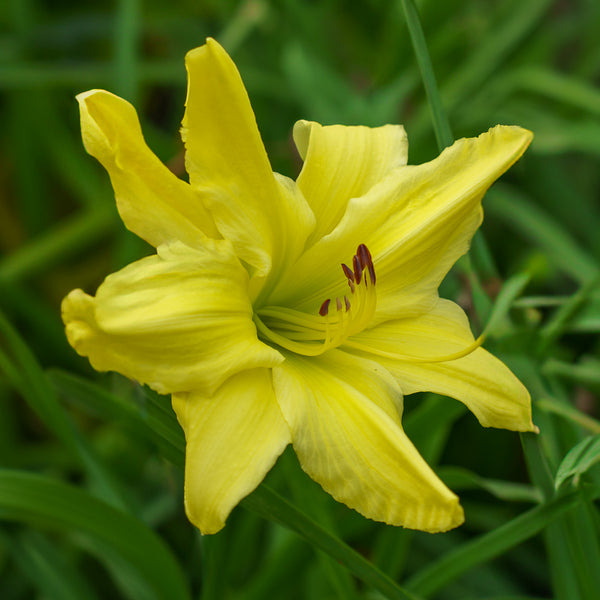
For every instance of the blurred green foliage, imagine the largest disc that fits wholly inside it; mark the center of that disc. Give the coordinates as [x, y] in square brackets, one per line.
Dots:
[91, 485]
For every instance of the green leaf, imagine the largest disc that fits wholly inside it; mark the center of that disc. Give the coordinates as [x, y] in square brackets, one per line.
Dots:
[51, 573]
[26, 375]
[520, 212]
[565, 314]
[429, 425]
[273, 507]
[457, 478]
[482, 549]
[567, 411]
[42, 502]
[585, 373]
[147, 418]
[58, 244]
[579, 459]
[511, 289]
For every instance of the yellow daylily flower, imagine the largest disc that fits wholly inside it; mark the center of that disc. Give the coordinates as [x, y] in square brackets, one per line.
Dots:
[278, 311]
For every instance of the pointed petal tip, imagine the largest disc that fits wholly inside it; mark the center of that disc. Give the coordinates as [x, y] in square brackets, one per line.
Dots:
[435, 516]
[301, 135]
[512, 134]
[211, 46]
[206, 526]
[440, 520]
[82, 97]
[438, 514]
[102, 100]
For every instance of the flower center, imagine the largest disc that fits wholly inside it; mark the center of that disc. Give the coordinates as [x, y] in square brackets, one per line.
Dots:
[312, 335]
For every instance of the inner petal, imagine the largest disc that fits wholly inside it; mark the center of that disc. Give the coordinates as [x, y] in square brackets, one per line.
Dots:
[335, 321]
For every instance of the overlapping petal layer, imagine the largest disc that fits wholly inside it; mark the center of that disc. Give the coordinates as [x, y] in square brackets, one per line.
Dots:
[232, 440]
[227, 163]
[479, 380]
[342, 163]
[152, 201]
[347, 434]
[179, 320]
[417, 222]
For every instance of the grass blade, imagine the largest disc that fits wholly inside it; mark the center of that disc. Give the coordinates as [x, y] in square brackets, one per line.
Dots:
[42, 502]
[435, 576]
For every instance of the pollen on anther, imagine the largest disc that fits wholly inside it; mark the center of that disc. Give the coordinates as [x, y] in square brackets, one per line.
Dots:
[338, 304]
[324, 307]
[347, 303]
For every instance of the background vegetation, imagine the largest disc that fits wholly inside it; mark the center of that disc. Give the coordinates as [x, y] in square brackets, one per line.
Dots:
[90, 477]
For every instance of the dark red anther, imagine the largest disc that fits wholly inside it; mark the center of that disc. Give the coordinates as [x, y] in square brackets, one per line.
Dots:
[347, 303]
[357, 269]
[338, 304]
[324, 307]
[348, 272]
[372, 273]
[364, 256]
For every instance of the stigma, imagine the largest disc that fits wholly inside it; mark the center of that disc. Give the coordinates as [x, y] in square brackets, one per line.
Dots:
[334, 322]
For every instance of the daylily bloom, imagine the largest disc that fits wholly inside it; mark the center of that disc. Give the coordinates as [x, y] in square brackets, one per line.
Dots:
[278, 311]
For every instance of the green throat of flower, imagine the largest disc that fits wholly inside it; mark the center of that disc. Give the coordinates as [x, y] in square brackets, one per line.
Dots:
[311, 335]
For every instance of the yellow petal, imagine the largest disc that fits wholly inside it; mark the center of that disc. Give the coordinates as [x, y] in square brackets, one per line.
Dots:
[227, 162]
[347, 435]
[479, 380]
[417, 222]
[232, 440]
[152, 201]
[342, 163]
[177, 321]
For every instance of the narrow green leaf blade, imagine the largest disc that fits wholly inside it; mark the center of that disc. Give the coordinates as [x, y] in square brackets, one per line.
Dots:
[451, 566]
[42, 502]
[269, 505]
[47, 569]
[579, 459]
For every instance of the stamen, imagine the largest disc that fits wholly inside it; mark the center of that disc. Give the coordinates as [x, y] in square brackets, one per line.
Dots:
[312, 335]
[366, 261]
[419, 359]
[357, 268]
[348, 272]
[364, 256]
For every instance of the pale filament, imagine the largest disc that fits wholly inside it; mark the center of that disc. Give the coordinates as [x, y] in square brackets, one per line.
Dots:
[336, 320]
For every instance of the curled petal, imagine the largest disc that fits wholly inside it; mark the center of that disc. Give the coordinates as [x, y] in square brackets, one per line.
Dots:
[232, 440]
[227, 163]
[180, 320]
[416, 222]
[479, 380]
[152, 201]
[344, 162]
[345, 428]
